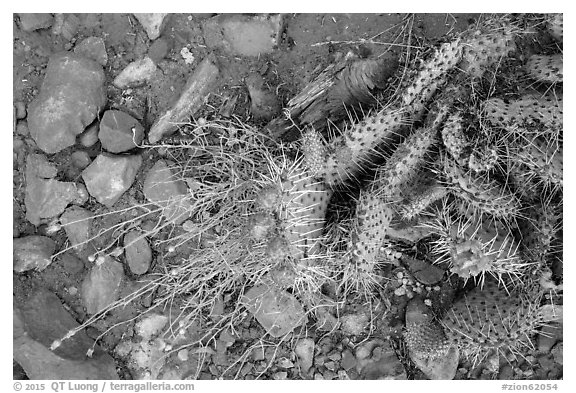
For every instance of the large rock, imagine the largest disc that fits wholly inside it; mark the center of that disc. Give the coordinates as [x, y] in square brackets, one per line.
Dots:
[71, 96]
[32, 252]
[94, 49]
[45, 196]
[198, 87]
[119, 131]
[31, 22]
[152, 23]
[136, 73]
[241, 34]
[163, 189]
[102, 285]
[138, 252]
[277, 311]
[77, 223]
[109, 176]
[41, 321]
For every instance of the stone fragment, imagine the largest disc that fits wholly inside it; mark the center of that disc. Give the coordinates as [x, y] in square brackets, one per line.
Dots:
[71, 96]
[152, 23]
[424, 272]
[77, 223]
[119, 131]
[136, 73]
[138, 252]
[164, 189]
[242, 34]
[32, 252]
[94, 49]
[80, 159]
[158, 50]
[45, 196]
[305, 352]
[109, 176]
[355, 323]
[277, 311]
[384, 366]
[40, 322]
[31, 22]
[558, 353]
[101, 286]
[20, 110]
[191, 100]
[89, 136]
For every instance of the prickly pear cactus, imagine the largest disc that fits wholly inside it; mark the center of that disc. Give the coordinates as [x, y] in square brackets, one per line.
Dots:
[489, 318]
[526, 110]
[555, 25]
[546, 68]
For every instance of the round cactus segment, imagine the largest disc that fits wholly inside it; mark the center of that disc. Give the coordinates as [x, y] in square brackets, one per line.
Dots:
[527, 110]
[555, 25]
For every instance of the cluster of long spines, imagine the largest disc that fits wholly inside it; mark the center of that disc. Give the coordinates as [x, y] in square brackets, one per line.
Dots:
[403, 164]
[488, 319]
[526, 110]
[486, 195]
[546, 68]
[483, 159]
[555, 25]
[483, 50]
[372, 219]
[542, 158]
[475, 246]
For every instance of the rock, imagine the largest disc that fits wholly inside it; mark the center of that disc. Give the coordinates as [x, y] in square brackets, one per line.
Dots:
[163, 189]
[558, 353]
[71, 96]
[241, 34]
[150, 326]
[386, 366]
[348, 360]
[354, 324]
[31, 22]
[46, 197]
[80, 159]
[258, 354]
[32, 252]
[94, 49]
[119, 131]
[66, 25]
[22, 128]
[77, 223]
[158, 50]
[42, 320]
[109, 176]
[101, 286]
[305, 351]
[136, 73]
[264, 103]
[89, 136]
[196, 91]
[280, 375]
[71, 263]
[20, 110]
[276, 310]
[423, 271]
[152, 23]
[138, 252]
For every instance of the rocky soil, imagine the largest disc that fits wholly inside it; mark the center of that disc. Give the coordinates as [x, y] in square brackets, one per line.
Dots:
[97, 97]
